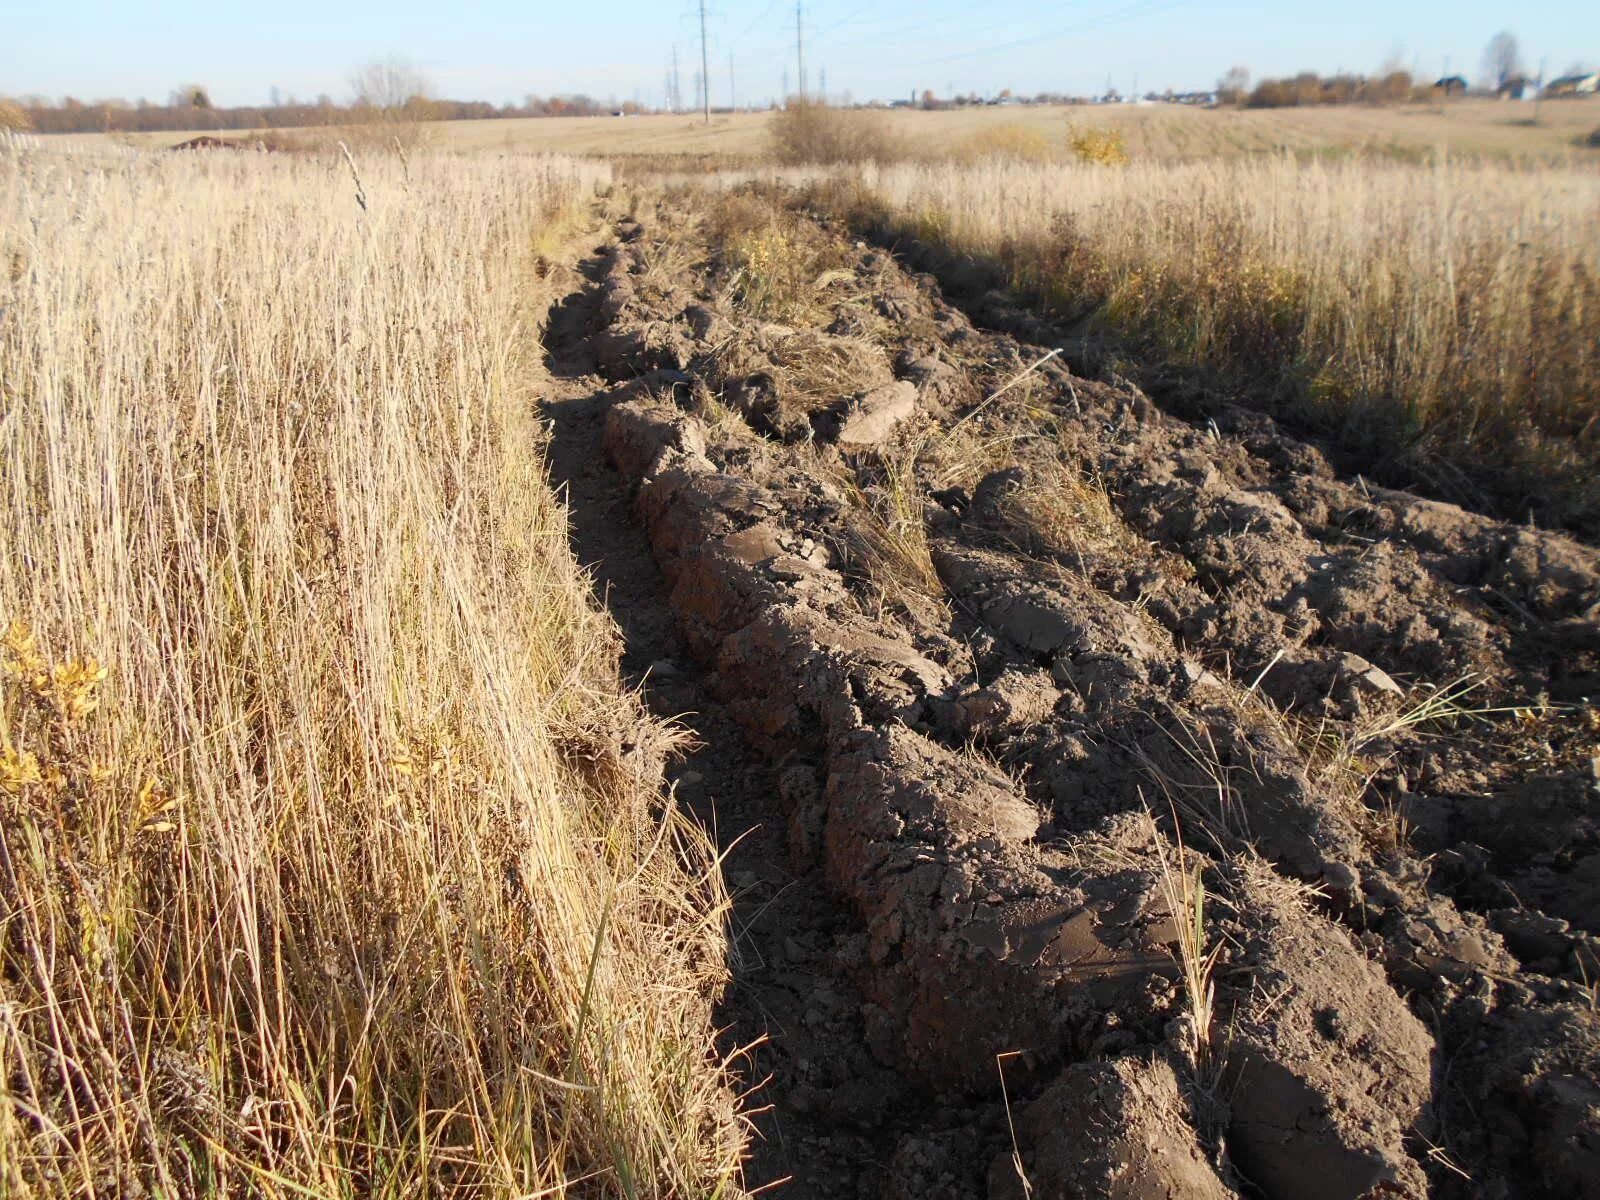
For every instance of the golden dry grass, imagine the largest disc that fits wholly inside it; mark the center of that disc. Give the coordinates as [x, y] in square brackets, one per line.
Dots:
[1150, 132]
[1449, 311]
[332, 857]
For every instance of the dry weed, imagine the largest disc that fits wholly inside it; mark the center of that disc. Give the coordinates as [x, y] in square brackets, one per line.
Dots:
[810, 132]
[1184, 890]
[776, 265]
[1099, 147]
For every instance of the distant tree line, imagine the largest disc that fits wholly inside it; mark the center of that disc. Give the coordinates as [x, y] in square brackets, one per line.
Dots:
[1502, 69]
[1309, 88]
[190, 108]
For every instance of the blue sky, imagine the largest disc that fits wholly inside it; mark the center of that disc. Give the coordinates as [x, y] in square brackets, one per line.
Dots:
[500, 51]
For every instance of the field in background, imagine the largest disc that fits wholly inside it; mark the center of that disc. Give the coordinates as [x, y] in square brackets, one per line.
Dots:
[1442, 314]
[1166, 132]
[325, 870]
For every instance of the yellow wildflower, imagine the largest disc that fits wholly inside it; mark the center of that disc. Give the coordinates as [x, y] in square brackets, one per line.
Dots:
[21, 659]
[18, 769]
[73, 688]
[155, 803]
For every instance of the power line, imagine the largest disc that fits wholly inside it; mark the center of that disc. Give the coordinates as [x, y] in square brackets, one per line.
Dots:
[1133, 10]
[961, 17]
[765, 13]
[937, 25]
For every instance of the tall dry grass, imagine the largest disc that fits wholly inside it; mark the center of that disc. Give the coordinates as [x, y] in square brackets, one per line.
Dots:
[332, 858]
[1450, 312]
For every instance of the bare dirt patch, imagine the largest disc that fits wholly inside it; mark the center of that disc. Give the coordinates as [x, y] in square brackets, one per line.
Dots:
[1240, 816]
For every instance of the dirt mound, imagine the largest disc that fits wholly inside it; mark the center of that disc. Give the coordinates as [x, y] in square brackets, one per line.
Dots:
[1241, 814]
[206, 142]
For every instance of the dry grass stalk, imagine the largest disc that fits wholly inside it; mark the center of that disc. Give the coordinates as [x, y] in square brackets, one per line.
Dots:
[890, 537]
[323, 867]
[1184, 891]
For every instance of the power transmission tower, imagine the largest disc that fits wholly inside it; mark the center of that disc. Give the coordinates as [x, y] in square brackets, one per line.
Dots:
[705, 65]
[824, 85]
[677, 81]
[800, 47]
[733, 96]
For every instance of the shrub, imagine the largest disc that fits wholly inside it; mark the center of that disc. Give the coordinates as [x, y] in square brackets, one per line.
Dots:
[807, 131]
[1101, 146]
[12, 116]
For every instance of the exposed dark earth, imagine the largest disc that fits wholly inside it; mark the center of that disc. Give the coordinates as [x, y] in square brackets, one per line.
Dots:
[1117, 804]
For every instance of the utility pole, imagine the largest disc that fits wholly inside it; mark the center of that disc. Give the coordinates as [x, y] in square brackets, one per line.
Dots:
[824, 85]
[800, 47]
[1538, 95]
[705, 65]
[677, 81]
[733, 96]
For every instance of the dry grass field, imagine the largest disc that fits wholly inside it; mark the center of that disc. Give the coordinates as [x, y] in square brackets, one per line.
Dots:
[1448, 311]
[1156, 131]
[1118, 789]
[324, 870]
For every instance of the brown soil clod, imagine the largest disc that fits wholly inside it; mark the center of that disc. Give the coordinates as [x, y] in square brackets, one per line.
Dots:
[1240, 817]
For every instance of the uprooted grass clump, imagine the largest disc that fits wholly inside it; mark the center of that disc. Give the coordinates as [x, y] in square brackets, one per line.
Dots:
[1066, 513]
[775, 265]
[332, 856]
[888, 535]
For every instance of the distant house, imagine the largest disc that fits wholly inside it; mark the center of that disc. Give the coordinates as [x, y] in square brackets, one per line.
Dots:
[1518, 87]
[1450, 85]
[1575, 85]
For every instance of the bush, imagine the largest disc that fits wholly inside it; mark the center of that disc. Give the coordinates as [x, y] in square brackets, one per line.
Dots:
[1102, 146]
[807, 131]
[12, 116]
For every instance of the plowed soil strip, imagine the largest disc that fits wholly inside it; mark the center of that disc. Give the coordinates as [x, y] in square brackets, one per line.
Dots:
[1129, 753]
[823, 1110]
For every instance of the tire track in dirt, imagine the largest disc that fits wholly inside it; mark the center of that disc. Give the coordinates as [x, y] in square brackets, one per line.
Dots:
[822, 1108]
[969, 774]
